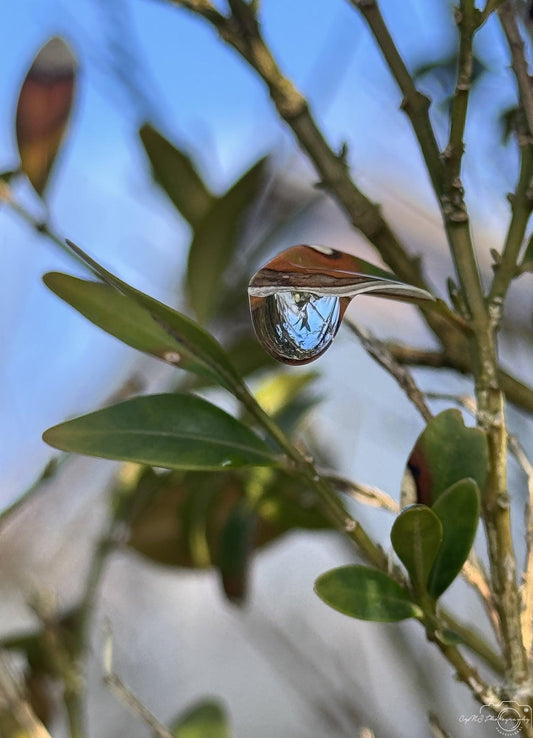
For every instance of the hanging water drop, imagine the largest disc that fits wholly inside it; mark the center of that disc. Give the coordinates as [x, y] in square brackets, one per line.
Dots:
[298, 299]
[295, 327]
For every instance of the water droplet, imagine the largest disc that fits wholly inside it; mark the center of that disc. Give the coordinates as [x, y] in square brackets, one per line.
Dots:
[172, 357]
[226, 462]
[298, 299]
[295, 327]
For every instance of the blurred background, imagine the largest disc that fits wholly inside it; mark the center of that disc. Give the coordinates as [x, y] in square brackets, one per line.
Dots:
[280, 662]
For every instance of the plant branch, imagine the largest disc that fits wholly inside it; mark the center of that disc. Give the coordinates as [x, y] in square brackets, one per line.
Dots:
[414, 103]
[371, 496]
[522, 200]
[336, 512]
[17, 719]
[125, 695]
[378, 350]
[527, 577]
[475, 575]
[490, 400]
[507, 16]
[43, 227]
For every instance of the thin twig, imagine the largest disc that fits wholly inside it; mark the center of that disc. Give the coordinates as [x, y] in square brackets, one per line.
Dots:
[507, 16]
[476, 576]
[372, 496]
[436, 727]
[379, 351]
[522, 199]
[17, 719]
[527, 577]
[414, 103]
[124, 693]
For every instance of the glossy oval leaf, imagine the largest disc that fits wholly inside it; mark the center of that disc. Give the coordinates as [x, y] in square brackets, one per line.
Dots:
[416, 537]
[43, 110]
[194, 342]
[366, 594]
[458, 510]
[216, 238]
[173, 431]
[175, 172]
[234, 551]
[205, 719]
[446, 452]
[122, 317]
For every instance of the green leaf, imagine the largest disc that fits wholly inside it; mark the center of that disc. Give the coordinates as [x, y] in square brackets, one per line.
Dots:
[195, 344]
[285, 397]
[416, 536]
[205, 719]
[277, 391]
[177, 518]
[173, 431]
[43, 110]
[446, 452]
[123, 318]
[234, 551]
[458, 510]
[175, 172]
[246, 355]
[366, 594]
[216, 238]
[174, 518]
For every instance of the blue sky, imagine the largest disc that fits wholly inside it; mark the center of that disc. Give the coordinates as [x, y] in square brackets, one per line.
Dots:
[54, 364]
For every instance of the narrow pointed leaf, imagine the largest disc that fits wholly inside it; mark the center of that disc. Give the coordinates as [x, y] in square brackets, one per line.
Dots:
[175, 172]
[416, 536]
[43, 110]
[366, 594]
[205, 719]
[458, 510]
[125, 319]
[234, 550]
[173, 431]
[446, 452]
[215, 241]
[195, 343]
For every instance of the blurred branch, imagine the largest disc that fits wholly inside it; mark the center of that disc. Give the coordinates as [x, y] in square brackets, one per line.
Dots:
[490, 7]
[48, 473]
[507, 16]
[527, 577]
[42, 227]
[17, 719]
[371, 496]
[436, 728]
[522, 200]
[474, 573]
[414, 103]
[379, 351]
[419, 357]
[125, 695]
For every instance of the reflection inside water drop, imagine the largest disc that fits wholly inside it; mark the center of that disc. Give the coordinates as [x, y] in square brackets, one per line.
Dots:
[295, 327]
